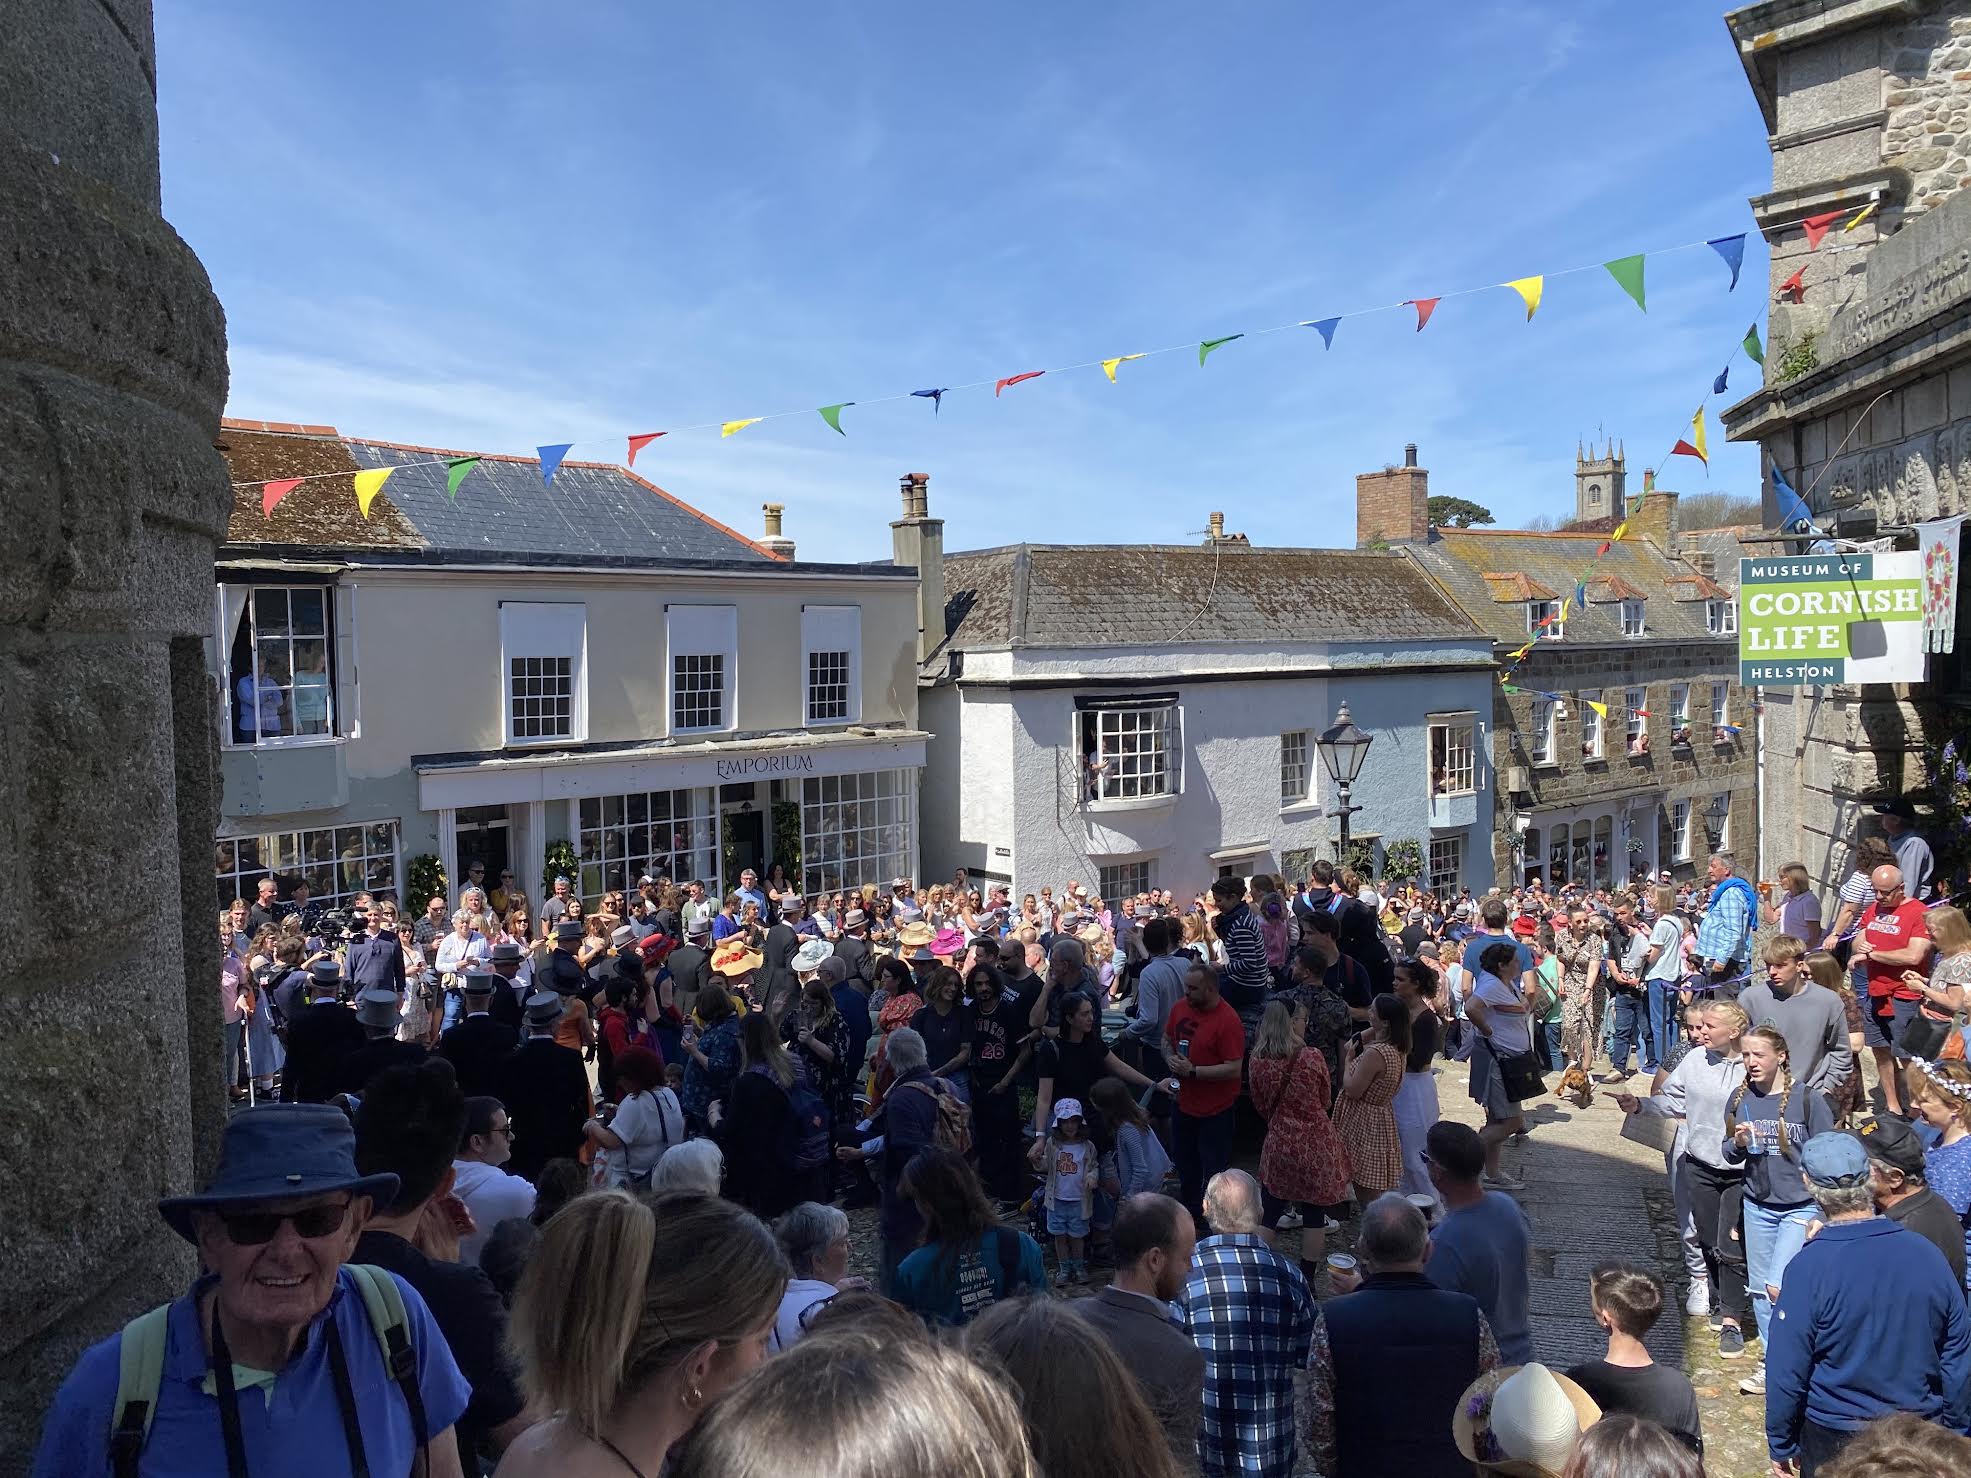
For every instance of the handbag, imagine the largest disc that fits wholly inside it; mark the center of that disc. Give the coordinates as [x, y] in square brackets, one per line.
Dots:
[1518, 1074]
[1927, 1036]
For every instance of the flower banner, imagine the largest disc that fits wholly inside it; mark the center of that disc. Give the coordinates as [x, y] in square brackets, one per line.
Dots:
[1937, 542]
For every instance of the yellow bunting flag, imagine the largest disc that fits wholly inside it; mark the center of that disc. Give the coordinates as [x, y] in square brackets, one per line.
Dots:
[726, 428]
[1600, 708]
[1529, 290]
[1697, 437]
[1109, 365]
[1859, 216]
[1620, 529]
[369, 484]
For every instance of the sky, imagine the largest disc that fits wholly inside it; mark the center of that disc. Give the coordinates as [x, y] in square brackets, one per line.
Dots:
[498, 225]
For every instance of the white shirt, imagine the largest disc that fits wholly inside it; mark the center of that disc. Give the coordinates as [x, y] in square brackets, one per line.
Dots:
[492, 1196]
[648, 1124]
[454, 952]
[1511, 1035]
[802, 1294]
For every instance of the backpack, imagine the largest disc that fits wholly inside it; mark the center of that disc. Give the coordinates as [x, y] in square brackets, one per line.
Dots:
[953, 1129]
[140, 1366]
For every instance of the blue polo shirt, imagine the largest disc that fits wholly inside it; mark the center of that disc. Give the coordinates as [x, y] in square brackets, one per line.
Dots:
[293, 1429]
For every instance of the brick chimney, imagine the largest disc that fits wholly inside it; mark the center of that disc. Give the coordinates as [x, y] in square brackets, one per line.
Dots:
[773, 539]
[1394, 504]
[1655, 515]
[917, 540]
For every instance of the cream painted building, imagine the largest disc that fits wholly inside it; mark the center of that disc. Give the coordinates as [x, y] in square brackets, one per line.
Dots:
[589, 661]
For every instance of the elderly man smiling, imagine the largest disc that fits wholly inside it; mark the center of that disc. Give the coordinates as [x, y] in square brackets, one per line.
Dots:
[274, 1362]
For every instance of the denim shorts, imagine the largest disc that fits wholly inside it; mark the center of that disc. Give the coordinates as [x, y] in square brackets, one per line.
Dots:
[1887, 1030]
[1066, 1220]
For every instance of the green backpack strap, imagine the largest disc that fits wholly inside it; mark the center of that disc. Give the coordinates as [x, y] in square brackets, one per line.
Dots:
[384, 1302]
[139, 1376]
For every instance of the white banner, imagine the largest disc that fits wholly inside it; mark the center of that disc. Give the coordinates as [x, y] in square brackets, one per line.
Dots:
[1937, 542]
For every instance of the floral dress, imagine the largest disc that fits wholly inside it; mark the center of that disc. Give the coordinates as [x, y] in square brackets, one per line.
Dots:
[1581, 1008]
[1302, 1159]
[834, 1081]
[714, 1080]
[1367, 1125]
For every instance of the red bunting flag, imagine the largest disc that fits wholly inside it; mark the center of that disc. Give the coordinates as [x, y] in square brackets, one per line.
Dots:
[1425, 307]
[1015, 379]
[1818, 226]
[1685, 449]
[272, 493]
[1606, 545]
[638, 443]
[1794, 288]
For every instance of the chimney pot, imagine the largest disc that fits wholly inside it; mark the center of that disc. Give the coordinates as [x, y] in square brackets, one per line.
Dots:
[773, 511]
[1217, 523]
[1410, 454]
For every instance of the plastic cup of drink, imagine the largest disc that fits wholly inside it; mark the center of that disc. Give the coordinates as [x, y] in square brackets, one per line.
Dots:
[1425, 1204]
[1341, 1262]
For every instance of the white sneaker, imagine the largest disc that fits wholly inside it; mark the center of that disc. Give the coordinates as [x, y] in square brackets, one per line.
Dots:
[1698, 1300]
[1755, 1383]
[1504, 1182]
[1289, 1221]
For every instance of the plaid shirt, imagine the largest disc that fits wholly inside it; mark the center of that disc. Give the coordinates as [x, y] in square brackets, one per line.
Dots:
[1249, 1310]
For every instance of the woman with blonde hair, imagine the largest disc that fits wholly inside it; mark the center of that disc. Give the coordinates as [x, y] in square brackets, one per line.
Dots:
[1943, 989]
[634, 1316]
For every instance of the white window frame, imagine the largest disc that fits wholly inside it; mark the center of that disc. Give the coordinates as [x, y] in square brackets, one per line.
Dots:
[1460, 760]
[1594, 735]
[1296, 770]
[1723, 843]
[1721, 617]
[1113, 879]
[1720, 710]
[1680, 821]
[617, 840]
[1680, 713]
[1636, 729]
[1542, 748]
[1537, 611]
[1444, 864]
[549, 631]
[236, 602]
[328, 884]
[1128, 768]
[829, 631]
[857, 828]
[1635, 621]
[703, 631]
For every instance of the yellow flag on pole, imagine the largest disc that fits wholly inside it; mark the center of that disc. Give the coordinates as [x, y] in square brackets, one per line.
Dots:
[368, 485]
[1529, 290]
[728, 427]
[1109, 365]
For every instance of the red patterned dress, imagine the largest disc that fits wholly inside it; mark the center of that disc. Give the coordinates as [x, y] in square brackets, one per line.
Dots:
[1302, 1159]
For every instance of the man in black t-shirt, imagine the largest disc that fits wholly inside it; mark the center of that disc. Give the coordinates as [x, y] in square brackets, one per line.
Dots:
[1345, 976]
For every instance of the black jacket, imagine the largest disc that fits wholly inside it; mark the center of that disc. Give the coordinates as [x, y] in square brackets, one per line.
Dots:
[545, 1090]
[318, 1038]
[477, 1048]
[1402, 1351]
[357, 1068]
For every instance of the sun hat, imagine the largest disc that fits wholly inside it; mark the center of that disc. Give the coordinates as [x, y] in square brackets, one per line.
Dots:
[1067, 1108]
[1522, 1421]
[915, 935]
[948, 944]
[279, 1152]
[735, 956]
[809, 956]
[1526, 926]
[1090, 934]
[656, 948]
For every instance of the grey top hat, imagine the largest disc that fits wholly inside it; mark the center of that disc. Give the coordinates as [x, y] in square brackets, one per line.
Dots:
[506, 952]
[327, 972]
[855, 918]
[568, 929]
[621, 936]
[280, 1152]
[543, 1008]
[378, 1007]
[481, 983]
[792, 903]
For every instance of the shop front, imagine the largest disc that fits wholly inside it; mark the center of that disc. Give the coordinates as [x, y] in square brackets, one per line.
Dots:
[1601, 846]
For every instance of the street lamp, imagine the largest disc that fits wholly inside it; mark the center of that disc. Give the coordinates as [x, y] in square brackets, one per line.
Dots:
[1343, 748]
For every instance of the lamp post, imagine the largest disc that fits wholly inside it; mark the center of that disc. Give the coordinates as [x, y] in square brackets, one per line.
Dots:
[1343, 748]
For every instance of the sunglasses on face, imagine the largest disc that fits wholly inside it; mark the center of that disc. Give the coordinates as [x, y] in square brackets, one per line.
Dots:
[257, 1228]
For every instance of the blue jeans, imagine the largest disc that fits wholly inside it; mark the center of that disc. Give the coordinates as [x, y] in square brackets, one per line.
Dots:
[453, 1005]
[1666, 1020]
[1550, 1039]
[1773, 1234]
[1630, 1014]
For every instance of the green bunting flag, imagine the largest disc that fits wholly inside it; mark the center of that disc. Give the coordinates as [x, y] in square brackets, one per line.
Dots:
[1753, 350]
[455, 471]
[1208, 345]
[832, 414]
[1629, 272]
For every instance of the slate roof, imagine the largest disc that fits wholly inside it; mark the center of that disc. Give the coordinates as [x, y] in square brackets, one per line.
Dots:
[1055, 595]
[503, 511]
[1723, 547]
[1465, 562]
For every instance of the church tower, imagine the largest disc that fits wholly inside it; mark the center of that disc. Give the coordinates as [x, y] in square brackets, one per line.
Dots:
[1598, 483]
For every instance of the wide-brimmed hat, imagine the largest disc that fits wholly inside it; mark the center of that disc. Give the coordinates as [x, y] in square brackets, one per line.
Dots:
[855, 918]
[1522, 1421]
[948, 944]
[1067, 1108]
[280, 1152]
[1526, 926]
[655, 948]
[735, 956]
[1090, 934]
[811, 953]
[378, 1006]
[915, 935]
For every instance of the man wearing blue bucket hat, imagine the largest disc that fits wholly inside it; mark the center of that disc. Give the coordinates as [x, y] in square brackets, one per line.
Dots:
[281, 1358]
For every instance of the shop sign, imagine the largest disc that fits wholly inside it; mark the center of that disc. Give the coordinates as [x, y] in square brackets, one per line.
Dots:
[1806, 620]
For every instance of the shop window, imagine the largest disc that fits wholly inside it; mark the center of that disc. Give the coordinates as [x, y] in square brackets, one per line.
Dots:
[668, 833]
[1453, 755]
[337, 862]
[1533, 861]
[856, 829]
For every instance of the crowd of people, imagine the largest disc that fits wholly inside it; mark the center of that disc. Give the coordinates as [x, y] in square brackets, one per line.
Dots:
[544, 1186]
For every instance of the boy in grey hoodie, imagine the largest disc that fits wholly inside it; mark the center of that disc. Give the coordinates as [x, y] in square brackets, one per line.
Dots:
[1811, 1017]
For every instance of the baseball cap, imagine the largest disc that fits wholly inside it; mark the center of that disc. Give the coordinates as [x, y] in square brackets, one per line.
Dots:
[1834, 1160]
[1892, 1141]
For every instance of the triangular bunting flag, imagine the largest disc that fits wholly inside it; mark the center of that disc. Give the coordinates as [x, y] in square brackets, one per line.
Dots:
[368, 485]
[1599, 708]
[1208, 345]
[1425, 307]
[638, 443]
[1529, 290]
[1732, 249]
[1016, 379]
[455, 471]
[1606, 545]
[1794, 288]
[1325, 327]
[1718, 385]
[1628, 271]
[1109, 365]
[272, 493]
[936, 397]
[1818, 226]
[1644, 712]
[1861, 215]
[1750, 344]
[1581, 595]
[551, 460]
[1697, 436]
[1795, 517]
[1506, 687]
[726, 428]
[832, 414]
[1620, 529]
[1685, 449]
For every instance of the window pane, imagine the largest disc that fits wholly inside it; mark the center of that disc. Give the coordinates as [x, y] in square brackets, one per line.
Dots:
[307, 612]
[270, 612]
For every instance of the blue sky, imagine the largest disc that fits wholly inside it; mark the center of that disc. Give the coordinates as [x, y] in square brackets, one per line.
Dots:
[498, 225]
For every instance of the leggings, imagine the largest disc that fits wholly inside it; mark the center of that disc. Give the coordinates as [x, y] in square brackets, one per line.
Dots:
[1716, 1200]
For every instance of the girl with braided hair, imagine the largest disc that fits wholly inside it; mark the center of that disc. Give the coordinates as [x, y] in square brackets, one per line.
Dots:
[1767, 1121]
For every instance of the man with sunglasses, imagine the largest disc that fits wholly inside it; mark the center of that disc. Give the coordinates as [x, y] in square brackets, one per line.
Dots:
[272, 1362]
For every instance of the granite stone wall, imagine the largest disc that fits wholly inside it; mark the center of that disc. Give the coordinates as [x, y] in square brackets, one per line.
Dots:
[112, 377]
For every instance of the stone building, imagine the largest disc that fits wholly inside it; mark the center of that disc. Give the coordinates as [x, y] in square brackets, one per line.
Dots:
[1866, 405]
[1667, 773]
[112, 376]
[1137, 716]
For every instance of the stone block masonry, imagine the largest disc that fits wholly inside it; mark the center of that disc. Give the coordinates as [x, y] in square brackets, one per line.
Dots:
[112, 378]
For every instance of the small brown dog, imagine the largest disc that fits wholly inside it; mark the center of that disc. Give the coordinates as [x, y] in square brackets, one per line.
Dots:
[1576, 1086]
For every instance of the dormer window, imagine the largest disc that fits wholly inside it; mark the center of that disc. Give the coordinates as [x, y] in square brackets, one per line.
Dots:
[1547, 611]
[1632, 618]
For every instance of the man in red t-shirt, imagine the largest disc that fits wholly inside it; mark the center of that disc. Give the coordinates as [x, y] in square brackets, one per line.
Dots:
[1890, 938]
[1205, 1043]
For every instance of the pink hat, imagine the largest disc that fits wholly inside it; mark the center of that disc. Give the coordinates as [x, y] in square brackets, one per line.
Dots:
[948, 945]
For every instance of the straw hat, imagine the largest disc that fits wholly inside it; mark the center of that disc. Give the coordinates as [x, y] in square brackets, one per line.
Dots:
[1522, 1421]
[734, 956]
[916, 935]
